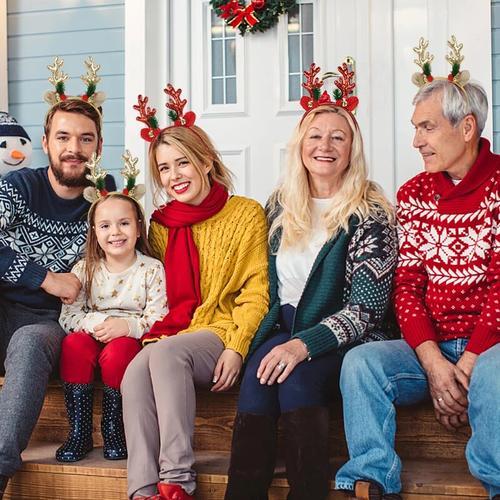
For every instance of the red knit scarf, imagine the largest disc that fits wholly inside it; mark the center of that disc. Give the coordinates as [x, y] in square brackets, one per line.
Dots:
[182, 265]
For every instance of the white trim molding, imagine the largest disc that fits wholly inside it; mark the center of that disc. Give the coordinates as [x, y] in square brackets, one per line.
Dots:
[147, 32]
[4, 80]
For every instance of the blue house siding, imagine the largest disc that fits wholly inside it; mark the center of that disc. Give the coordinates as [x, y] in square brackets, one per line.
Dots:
[495, 56]
[36, 33]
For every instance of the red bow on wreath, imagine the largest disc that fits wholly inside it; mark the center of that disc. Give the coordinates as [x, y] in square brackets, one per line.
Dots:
[244, 14]
[230, 9]
[240, 14]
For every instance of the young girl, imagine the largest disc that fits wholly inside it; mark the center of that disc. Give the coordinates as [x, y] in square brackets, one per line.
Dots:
[214, 249]
[123, 294]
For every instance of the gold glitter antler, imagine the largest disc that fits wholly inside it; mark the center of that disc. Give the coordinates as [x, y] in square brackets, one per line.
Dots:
[424, 58]
[424, 62]
[97, 174]
[130, 170]
[454, 57]
[91, 78]
[130, 173]
[58, 76]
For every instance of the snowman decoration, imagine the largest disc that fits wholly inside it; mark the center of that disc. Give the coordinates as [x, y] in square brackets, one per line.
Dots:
[15, 145]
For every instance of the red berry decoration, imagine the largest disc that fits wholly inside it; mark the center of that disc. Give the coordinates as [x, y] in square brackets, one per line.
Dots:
[259, 4]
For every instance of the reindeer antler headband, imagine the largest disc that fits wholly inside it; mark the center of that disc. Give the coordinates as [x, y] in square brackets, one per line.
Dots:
[58, 77]
[97, 176]
[342, 95]
[175, 104]
[424, 59]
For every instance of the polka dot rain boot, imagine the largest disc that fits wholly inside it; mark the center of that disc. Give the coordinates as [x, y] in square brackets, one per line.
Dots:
[113, 435]
[79, 403]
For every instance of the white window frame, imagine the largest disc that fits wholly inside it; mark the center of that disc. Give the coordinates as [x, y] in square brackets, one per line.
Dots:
[4, 80]
[205, 47]
[287, 107]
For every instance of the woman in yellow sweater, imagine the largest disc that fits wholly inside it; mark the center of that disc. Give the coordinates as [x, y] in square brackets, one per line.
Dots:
[214, 247]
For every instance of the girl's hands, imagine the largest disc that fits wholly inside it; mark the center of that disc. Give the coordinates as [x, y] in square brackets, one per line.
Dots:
[111, 328]
[227, 370]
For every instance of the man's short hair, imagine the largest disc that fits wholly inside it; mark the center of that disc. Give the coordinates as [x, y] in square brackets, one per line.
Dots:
[75, 106]
[458, 102]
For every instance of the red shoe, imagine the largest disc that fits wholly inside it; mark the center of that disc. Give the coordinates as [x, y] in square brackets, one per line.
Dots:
[173, 492]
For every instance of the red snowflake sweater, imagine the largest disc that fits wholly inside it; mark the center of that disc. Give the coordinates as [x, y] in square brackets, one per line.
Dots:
[447, 279]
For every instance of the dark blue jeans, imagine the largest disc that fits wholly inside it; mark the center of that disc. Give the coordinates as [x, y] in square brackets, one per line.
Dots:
[311, 383]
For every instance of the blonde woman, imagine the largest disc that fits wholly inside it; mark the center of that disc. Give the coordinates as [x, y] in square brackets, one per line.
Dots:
[214, 247]
[333, 253]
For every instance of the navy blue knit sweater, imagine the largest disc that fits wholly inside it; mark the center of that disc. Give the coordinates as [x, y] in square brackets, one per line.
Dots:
[39, 231]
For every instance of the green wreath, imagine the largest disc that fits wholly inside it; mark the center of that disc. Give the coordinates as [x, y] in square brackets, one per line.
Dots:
[264, 15]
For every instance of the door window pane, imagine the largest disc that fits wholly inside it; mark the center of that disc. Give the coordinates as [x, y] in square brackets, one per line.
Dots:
[217, 91]
[223, 70]
[300, 46]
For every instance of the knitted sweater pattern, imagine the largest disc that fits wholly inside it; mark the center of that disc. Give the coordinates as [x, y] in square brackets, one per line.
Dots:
[348, 290]
[39, 232]
[136, 294]
[232, 248]
[447, 280]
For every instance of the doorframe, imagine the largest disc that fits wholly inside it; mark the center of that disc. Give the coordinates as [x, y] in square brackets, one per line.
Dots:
[147, 39]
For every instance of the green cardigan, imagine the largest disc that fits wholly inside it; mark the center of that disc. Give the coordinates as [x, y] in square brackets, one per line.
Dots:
[347, 293]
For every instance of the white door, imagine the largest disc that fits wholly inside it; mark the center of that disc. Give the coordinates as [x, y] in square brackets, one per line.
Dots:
[245, 90]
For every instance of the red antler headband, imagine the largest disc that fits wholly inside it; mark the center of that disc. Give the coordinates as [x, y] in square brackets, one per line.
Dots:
[175, 104]
[342, 95]
[424, 60]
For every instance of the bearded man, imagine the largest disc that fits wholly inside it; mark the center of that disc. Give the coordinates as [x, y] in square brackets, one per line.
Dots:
[42, 234]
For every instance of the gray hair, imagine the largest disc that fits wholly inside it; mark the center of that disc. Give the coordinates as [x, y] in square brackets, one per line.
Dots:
[458, 102]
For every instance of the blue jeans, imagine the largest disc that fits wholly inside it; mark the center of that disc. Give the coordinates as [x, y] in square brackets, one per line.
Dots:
[311, 383]
[377, 377]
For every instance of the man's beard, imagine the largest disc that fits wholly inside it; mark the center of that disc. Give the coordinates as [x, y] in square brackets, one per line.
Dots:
[62, 178]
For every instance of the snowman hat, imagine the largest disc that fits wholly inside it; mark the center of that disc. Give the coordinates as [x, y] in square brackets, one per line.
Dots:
[10, 128]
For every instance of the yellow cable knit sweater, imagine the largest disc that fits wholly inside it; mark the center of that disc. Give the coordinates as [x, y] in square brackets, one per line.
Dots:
[234, 283]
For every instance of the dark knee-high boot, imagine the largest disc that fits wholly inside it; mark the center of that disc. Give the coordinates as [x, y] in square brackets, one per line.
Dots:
[113, 434]
[253, 456]
[306, 453]
[79, 404]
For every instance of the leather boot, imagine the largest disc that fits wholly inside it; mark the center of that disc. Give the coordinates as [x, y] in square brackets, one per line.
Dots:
[253, 457]
[173, 492]
[370, 490]
[113, 434]
[306, 453]
[3, 485]
[79, 404]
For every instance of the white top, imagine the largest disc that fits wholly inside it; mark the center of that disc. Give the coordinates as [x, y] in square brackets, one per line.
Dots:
[137, 294]
[294, 264]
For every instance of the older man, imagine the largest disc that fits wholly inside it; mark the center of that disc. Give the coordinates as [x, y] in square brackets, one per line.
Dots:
[446, 297]
[42, 233]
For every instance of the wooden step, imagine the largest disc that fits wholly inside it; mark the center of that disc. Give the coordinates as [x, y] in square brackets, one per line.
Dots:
[42, 478]
[419, 435]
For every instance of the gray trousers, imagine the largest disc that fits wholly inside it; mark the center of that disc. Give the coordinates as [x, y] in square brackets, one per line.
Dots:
[30, 342]
[159, 406]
